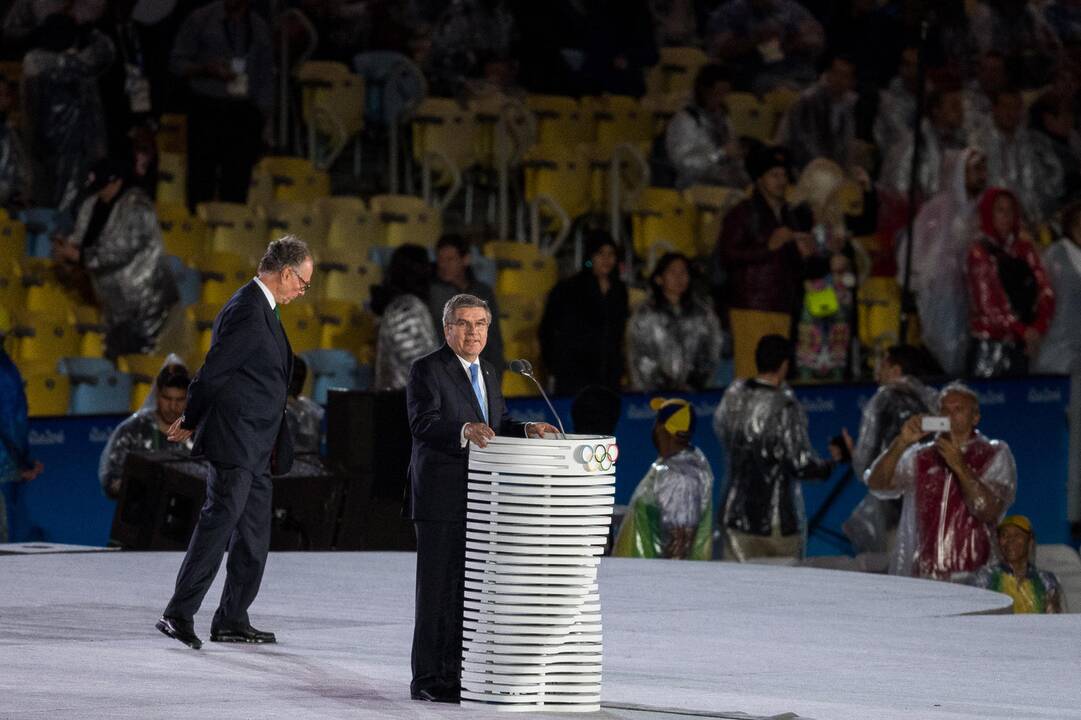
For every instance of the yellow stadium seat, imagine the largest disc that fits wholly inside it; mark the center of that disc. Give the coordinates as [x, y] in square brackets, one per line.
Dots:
[12, 237]
[290, 179]
[144, 370]
[750, 117]
[45, 335]
[172, 179]
[48, 296]
[447, 128]
[293, 218]
[201, 315]
[223, 274]
[662, 107]
[560, 120]
[172, 135]
[679, 66]
[538, 275]
[234, 228]
[407, 219]
[332, 105]
[12, 292]
[520, 316]
[778, 101]
[345, 274]
[47, 393]
[619, 119]
[184, 235]
[711, 203]
[879, 312]
[301, 326]
[561, 173]
[663, 220]
[346, 326]
[515, 385]
[347, 222]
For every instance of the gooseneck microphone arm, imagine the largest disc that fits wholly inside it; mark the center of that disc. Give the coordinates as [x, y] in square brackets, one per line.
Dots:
[525, 368]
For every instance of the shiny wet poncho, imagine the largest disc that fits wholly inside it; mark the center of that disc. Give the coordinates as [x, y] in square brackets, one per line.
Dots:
[676, 492]
[672, 348]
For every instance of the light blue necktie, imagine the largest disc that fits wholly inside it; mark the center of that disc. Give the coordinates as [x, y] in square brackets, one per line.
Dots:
[474, 377]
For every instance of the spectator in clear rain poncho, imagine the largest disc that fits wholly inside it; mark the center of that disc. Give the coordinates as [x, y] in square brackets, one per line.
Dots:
[62, 110]
[1010, 299]
[942, 130]
[763, 430]
[671, 512]
[900, 395]
[146, 430]
[16, 465]
[822, 122]
[14, 170]
[897, 103]
[1061, 347]
[1033, 590]
[943, 230]
[699, 141]
[303, 415]
[673, 338]
[955, 488]
[1020, 159]
[405, 325]
[118, 241]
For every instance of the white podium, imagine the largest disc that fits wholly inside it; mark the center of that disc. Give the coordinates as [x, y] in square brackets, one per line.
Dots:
[537, 520]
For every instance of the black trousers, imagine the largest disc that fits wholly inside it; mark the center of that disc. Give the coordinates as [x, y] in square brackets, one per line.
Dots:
[437, 628]
[236, 516]
[224, 141]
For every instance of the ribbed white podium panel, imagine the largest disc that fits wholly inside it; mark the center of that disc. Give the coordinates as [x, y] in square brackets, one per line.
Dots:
[537, 519]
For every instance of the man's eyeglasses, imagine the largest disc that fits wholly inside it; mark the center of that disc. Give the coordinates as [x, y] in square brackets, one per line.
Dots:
[305, 286]
[465, 325]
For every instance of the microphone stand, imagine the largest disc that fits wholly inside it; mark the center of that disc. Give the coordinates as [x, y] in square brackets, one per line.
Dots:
[527, 372]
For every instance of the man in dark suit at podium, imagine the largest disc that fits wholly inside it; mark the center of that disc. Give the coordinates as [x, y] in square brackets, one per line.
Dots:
[236, 408]
[453, 398]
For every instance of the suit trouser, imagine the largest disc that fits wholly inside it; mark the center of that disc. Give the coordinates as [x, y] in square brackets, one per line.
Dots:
[437, 628]
[236, 515]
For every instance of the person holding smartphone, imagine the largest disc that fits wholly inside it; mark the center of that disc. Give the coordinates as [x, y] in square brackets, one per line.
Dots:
[956, 486]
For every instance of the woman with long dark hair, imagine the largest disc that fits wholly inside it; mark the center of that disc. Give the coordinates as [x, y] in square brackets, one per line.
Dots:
[674, 339]
[1010, 298]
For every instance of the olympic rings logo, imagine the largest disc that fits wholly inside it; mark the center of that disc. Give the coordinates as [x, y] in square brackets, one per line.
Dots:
[597, 457]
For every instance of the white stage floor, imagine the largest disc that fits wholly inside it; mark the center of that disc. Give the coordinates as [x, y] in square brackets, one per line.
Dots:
[77, 640]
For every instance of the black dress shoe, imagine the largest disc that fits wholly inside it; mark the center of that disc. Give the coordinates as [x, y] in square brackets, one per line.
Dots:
[435, 695]
[179, 630]
[241, 635]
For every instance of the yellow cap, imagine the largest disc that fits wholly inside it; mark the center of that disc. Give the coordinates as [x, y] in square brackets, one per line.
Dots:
[675, 414]
[1017, 521]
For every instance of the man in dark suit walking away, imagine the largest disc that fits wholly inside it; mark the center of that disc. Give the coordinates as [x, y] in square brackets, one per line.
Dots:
[454, 398]
[236, 408]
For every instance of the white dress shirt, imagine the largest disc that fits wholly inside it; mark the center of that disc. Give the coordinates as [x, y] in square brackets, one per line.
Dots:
[266, 291]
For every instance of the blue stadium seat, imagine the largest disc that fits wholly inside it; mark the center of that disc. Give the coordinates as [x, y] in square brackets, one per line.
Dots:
[41, 223]
[330, 368]
[97, 387]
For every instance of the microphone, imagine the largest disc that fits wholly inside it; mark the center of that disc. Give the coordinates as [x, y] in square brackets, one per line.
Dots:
[524, 367]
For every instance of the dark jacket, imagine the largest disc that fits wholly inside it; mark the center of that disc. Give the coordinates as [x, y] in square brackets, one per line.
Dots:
[236, 402]
[757, 278]
[581, 333]
[439, 400]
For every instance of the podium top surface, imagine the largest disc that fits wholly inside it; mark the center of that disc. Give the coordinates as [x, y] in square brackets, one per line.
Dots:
[572, 455]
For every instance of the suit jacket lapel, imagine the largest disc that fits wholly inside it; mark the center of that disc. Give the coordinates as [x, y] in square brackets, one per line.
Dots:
[276, 328]
[458, 377]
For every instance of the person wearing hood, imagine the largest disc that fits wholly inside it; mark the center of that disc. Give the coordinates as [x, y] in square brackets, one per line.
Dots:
[671, 511]
[699, 140]
[62, 108]
[1061, 347]
[147, 429]
[942, 230]
[118, 241]
[584, 321]
[1010, 298]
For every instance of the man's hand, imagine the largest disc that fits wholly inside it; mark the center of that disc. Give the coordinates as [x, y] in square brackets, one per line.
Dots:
[950, 453]
[32, 472]
[177, 433]
[780, 237]
[540, 429]
[842, 454]
[478, 433]
[911, 431]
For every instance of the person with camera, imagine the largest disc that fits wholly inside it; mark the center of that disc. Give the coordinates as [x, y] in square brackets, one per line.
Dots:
[956, 485]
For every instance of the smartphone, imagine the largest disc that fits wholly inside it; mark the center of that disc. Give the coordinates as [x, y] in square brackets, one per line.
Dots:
[935, 423]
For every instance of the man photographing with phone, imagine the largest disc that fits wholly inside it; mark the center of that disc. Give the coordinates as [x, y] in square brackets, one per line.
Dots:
[956, 485]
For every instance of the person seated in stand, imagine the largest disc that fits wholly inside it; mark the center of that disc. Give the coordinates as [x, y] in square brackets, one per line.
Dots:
[872, 526]
[955, 485]
[303, 415]
[146, 430]
[454, 275]
[671, 512]
[1033, 590]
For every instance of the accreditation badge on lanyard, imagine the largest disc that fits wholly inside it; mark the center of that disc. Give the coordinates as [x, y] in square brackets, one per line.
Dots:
[238, 87]
[137, 88]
